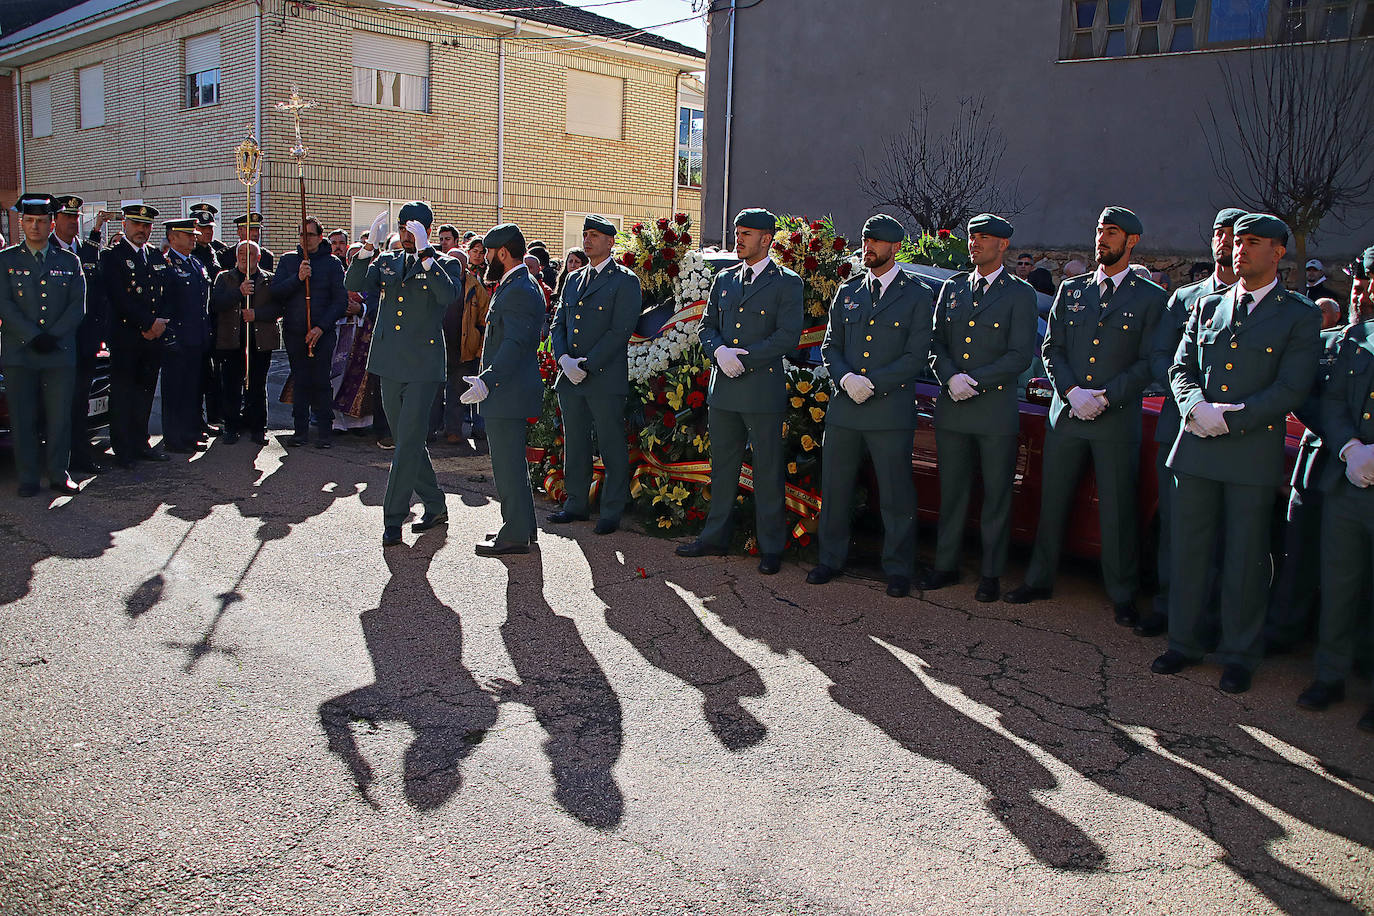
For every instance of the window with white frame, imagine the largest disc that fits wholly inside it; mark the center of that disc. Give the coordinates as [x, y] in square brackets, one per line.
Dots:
[212, 199]
[90, 90]
[595, 105]
[40, 108]
[365, 209]
[390, 72]
[202, 70]
[690, 123]
[572, 227]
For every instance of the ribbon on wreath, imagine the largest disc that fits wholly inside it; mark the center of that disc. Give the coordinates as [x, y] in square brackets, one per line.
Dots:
[691, 312]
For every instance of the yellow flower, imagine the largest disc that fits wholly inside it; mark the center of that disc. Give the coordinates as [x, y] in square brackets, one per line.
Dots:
[822, 396]
[665, 523]
[792, 467]
[797, 402]
[818, 414]
[807, 443]
[803, 387]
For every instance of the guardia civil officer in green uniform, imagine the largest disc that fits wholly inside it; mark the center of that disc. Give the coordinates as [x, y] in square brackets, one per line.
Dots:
[507, 387]
[875, 344]
[1168, 333]
[412, 290]
[1247, 359]
[591, 329]
[984, 337]
[42, 302]
[753, 318]
[1347, 541]
[1097, 354]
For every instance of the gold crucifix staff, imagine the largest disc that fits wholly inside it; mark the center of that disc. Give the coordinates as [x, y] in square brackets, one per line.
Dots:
[248, 168]
[294, 106]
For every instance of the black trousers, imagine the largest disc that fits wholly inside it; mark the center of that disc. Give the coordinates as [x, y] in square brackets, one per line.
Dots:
[181, 396]
[310, 376]
[211, 389]
[134, 368]
[245, 407]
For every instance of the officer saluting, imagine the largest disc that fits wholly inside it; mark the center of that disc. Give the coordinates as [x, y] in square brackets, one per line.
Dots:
[134, 273]
[875, 344]
[1247, 359]
[984, 337]
[591, 329]
[42, 302]
[186, 300]
[747, 398]
[1097, 354]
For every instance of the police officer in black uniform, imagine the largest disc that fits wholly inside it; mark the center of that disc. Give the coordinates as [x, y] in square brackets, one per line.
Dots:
[187, 299]
[249, 228]
[210, 251]
[66, 226]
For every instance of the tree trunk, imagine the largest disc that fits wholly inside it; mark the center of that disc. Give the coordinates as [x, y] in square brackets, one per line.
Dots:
[1298, 279]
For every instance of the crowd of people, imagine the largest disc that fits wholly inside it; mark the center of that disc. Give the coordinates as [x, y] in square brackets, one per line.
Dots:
[425, 336]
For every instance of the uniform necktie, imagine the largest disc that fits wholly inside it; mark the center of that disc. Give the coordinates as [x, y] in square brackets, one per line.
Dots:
[1108, 289]
[748, 275]
[39, 256]
[876, 288]
[978, 289]
[1245, 302]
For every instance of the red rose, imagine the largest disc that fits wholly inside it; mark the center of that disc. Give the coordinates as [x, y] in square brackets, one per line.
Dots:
[669, 419]
[788, 257]
[817, 226]
[813, 245]
[810, 264]
[704, 378]
[637, 227]
[672, 269]
[695, 399]
[838, 245]
[686, 239]
[668, 254]
[796, 238]
[531, 420]
[681, 218]
[670, 237]
[657, 383]
[942, 233]
[844, 270]
[648, 264]
[662, 222]
[628, 259]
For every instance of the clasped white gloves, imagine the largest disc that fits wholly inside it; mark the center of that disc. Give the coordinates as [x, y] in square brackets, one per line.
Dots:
[572, 368]
[857, 387]
[477, 390]
[963, 386]
[728, 360]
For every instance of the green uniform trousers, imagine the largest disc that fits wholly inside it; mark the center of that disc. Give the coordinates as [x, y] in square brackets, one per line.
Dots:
[26, 389]
[1239, 515]
[506, 439]
[604, 414]
[407, 406]
[996, 459]
[1116, 466]
[1347, 573]
[1163, 570]
[1293, 603]
[891, 450]
[730, 432]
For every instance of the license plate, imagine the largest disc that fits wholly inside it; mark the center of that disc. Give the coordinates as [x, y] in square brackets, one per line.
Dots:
[98, 405]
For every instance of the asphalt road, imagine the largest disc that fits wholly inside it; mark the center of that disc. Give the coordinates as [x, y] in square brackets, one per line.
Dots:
[218, 694]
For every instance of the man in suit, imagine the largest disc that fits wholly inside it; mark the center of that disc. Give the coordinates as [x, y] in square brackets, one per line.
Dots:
[412, 289]
[186, 297]
[241, 304]
[42, 302]
[507, 387]
[747, 395]
[984, 337]
[66, 228]
[1168, 333]
[873, 370]
[310, 316]
[1097, 354]
[1247, 359]
[134, 274]
[591, 329]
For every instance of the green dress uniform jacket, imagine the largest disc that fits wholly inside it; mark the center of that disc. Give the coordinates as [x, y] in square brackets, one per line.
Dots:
[885, 342]
[594, 320]
[1347, 403]
[40, 299]
[408, 339]
[993, 342]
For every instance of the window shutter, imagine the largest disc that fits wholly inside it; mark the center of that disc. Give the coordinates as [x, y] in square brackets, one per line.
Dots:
[594, 105]
[396, 55]
[92, 92]
[40, 108]
[202, 53]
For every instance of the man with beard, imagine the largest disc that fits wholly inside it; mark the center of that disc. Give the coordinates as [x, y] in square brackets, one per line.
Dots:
[1097, 354]
[984, 337]
[412, 289]
[66, 225]
[1168, 333]
[591, 330]
[338, 245]
[873, 369]
[187, 300]
[747, 397]
[1248, 357]
[309, 319]
[508, 388]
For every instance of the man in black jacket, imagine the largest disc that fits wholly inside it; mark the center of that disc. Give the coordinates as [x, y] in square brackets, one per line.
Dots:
[310, 283]
[66, 226]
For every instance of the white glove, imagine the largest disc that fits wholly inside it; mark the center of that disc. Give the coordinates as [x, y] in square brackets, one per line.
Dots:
[376, 235]
[1210, 419]
[417, 229]
[572, 368]
[963, 386]
[1085, 402]
[1359, 465]
[477, 390]
[857, 387]
[728, 360]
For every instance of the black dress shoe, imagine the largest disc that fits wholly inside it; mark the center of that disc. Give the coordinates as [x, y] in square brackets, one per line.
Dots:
[935, 579]
[1025, 594]
[563, 517]
[86, 466]
[209, 429]
[1152, 625]
[989, 589]
[501, 548]
[699, 548]
[64, 486]
[534, 536]
[607, 525]
[821, 575]
[323, 442]
[1366, 723]
[770, 563]
[428, 521]
[152, 454]
[259, 438]
[1172, 662]
[391, 535]
[230, 438]
[28, 489]
[297, 440]
[1234, 679]
[898, 586]
[1321, 694]
[1126, 613]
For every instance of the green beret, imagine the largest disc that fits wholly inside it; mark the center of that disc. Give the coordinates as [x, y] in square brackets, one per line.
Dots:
[1226, 218]
[599, 224]
[990, 224]
[188, 224]
[1264, 226]
[757, 218]
[416, 210]
[1123, 219]
[503, 235]
[35, 204]
[883, 228]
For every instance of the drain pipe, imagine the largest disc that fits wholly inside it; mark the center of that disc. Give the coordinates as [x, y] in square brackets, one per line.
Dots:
[729, 117]
[257, 100]
[501, 121]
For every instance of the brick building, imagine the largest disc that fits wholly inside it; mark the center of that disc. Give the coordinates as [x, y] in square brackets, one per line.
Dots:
[536, 117]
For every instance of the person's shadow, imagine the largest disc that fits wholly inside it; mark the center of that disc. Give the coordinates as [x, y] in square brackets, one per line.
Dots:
[416, 642]
[666, 631]
[561, 682]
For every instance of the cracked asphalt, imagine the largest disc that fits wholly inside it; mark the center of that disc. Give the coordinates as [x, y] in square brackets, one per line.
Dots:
[218, 694]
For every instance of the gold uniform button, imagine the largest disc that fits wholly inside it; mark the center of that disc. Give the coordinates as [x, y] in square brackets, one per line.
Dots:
[1234, 345]
[1090, 378]
[1125, 327]
[872, 321]
[400, 298]
[869, 337]
[896, 324]
[1268, 349]
[577, 316]
[431, 340]
[1366, 416]
[865, 354]
[579, 331]
[762, 312]
[863, 371]
[1230, 366]
[966, 356]
[1092, 359]
[968, 340]
[970, 324]
[999, 387]
[1096, 343]
[736, 340]
[737, 324]
[1224, 388]
[398, 327]
[399, 313]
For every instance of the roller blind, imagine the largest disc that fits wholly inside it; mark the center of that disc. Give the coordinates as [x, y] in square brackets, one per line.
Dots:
[594, 104]
[202, 53]
[395, 55]
[92, 92]
[40, 108]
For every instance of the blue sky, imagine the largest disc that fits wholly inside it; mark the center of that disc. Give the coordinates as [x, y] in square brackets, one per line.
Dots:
[652, 12]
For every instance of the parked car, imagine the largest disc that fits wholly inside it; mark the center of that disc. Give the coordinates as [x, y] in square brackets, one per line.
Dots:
[98, 399]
